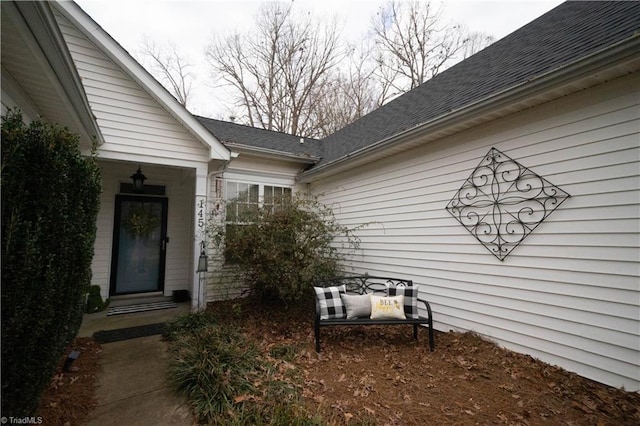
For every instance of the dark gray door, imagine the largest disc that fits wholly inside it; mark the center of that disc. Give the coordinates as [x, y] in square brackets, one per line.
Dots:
[139, 244]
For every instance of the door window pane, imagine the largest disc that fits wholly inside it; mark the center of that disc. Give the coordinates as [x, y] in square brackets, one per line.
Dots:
[139, 246]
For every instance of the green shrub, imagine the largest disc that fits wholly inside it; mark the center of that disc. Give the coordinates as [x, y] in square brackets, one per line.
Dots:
[226, 380]
[212, 367]
[285, 247]
[94, 300]
[50, 200]
[189, 323]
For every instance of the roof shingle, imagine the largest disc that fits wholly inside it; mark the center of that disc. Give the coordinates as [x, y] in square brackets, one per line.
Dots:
[253, 137]
[568, 33]
[565, 34]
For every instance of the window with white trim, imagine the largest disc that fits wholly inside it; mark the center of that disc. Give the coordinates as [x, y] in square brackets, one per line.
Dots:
[243, 200]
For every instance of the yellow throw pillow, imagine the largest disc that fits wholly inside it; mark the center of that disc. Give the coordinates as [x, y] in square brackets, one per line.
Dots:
[387, 307]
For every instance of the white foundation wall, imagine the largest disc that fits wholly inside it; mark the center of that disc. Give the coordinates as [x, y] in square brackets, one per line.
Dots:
[180, 192]
[569, 294]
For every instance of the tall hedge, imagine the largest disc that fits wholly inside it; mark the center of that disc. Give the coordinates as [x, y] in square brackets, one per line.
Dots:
[50, 200]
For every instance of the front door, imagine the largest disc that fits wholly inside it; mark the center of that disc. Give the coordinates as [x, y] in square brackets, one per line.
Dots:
[139, 244]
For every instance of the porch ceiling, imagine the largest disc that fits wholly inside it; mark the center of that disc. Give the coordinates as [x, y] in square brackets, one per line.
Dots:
[25, 67]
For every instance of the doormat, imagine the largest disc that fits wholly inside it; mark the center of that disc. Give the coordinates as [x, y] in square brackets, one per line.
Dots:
[143, 307]
[110, 336]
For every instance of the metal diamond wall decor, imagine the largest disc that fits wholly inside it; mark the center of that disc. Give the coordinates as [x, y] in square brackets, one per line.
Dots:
[502, 202]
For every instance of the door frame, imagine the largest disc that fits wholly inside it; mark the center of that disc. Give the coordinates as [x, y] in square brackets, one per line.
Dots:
[116, 241]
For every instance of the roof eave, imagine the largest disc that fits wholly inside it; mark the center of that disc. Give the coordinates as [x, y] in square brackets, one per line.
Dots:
[45, 30]
[612, 56]
[272, 153]
[73, 12]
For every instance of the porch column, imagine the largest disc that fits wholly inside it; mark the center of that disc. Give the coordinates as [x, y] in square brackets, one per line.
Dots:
[198, 287]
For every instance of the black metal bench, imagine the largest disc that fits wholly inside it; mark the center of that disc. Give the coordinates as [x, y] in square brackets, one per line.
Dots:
[366, 284]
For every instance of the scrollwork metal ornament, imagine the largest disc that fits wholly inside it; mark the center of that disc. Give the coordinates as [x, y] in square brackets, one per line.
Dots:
[502, 202]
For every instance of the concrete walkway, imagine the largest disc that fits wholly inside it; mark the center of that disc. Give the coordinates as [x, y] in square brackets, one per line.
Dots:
[132, 384]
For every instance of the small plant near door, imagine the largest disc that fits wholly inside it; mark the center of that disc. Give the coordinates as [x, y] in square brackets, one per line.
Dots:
[94, 300]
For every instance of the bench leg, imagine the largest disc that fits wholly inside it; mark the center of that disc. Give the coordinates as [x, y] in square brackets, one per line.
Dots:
[317, 335]
[415, 331]
[431, 341]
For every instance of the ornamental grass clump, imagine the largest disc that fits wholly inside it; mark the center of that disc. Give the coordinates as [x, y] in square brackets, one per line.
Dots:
[189, 323]
[226, 379]
[213, 367]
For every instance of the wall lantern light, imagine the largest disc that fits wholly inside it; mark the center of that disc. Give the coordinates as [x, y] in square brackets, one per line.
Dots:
[202, 260]
[138, 181]
[202, 268]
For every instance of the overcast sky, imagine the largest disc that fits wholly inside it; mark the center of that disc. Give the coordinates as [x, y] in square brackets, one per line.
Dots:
[190, 24]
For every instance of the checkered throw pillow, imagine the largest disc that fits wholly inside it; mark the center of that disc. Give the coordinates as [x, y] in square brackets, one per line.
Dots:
[331, 305]
[410, 298]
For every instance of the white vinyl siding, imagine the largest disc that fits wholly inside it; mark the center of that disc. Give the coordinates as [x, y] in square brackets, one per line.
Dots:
[131, 121]
[225, 280]
[569, 294]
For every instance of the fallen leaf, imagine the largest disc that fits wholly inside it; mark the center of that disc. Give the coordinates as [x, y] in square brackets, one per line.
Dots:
[241, 398]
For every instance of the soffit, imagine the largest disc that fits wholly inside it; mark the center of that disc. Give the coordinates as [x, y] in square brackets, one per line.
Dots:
[27, 66]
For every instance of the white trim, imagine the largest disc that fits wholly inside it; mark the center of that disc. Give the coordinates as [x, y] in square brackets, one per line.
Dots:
[39, 31]
[259, 178]
[147, 159]
[119, 56]
[198, 287]
[266, 152]
[12, 91]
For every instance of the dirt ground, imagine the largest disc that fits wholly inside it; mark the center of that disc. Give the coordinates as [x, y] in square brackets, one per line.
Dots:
[71, 395]
[381, 376]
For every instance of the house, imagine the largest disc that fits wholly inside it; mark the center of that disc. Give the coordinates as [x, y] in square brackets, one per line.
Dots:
[57, 63]
[507, 187]
[558, 277]
[266, 165]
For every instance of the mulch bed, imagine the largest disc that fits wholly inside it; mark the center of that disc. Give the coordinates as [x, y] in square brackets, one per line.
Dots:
[71, 395]
[381, 376]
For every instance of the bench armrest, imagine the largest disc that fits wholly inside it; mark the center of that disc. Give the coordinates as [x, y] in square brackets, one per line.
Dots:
[426, 306]
[317, 308]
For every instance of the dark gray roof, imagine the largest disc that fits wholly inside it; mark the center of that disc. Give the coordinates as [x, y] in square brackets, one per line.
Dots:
[252, 137]
[565, 34]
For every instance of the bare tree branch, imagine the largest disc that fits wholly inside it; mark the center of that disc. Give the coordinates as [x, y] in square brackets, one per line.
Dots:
[413, 45]
[170, 68]
[291, 73]
[277, 71]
